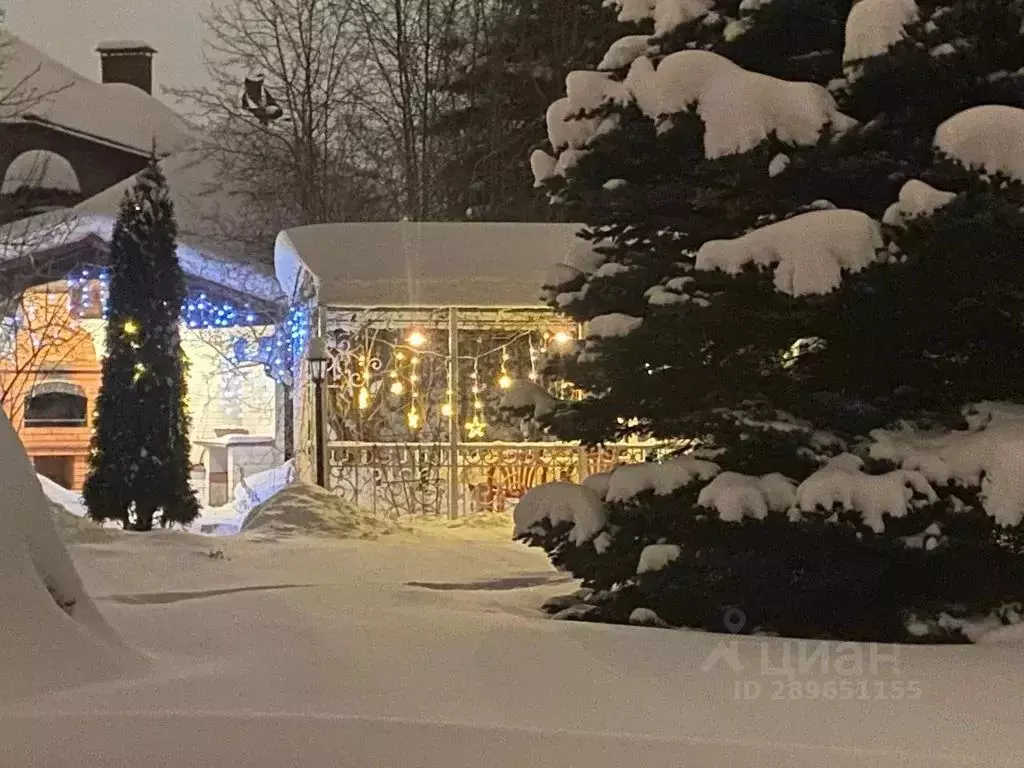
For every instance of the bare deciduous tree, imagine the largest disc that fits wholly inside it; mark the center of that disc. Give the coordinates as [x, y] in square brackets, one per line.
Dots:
[311, 165]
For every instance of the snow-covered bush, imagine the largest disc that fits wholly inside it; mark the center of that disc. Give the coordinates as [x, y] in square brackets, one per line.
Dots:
[809, 263]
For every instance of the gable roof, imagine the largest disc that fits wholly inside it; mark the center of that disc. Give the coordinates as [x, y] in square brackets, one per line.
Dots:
[422, 264]
[36, 88]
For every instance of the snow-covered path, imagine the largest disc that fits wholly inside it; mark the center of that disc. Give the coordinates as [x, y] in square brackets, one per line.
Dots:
[429, 651]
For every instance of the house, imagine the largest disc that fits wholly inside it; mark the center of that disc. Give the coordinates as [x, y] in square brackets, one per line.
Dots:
[69, 147]
[64, 137]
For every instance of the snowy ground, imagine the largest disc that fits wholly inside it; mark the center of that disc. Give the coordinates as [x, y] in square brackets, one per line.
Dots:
[426, 649]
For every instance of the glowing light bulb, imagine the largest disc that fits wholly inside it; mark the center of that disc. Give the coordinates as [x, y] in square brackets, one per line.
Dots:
[562, 338]
[532, 375]
[397, 388]
[364, 398]
[446, 410]
[505, 382]
[413, 419]
[417, 339]
[130, 327]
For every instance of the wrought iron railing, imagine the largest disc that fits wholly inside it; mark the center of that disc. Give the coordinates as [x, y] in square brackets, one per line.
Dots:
[395, 479]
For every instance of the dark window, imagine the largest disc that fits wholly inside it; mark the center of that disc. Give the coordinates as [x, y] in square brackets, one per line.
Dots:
[55, 409]
[60, 469]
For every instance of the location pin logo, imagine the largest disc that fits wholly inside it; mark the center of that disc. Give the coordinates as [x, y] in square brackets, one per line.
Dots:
[734, 619]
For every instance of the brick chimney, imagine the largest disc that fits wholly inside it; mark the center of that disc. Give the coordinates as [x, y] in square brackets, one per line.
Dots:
[127, 61]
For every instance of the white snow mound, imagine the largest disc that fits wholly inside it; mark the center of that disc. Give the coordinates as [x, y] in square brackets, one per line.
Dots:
[663, 478]
[916, 199]
[989, 137]
[51, 635]
[561, 502]
[809, 251]
[989, 456]
[614, 324]
[740, 109]
[874, 26]
[306, 509]
[654, 557]
[624, 51]
[526, 394]
[736, 496]
[841, 483]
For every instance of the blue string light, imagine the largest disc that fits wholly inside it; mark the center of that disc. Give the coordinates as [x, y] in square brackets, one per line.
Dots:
[277, 352]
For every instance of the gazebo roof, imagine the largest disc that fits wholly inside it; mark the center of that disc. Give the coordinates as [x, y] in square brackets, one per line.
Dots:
[422, 264]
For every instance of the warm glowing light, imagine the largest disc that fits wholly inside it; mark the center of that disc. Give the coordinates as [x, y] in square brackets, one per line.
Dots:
[130, 327]
[417, 339]
[505, 382]
[364, 398]
[446, 410]
[532, 375]
[413, 419]
[562, 338]
[400, 356]
[397, 388]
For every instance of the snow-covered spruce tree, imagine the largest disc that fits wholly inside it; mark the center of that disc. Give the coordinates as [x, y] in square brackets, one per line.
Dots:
[780, 282]
[139, 465]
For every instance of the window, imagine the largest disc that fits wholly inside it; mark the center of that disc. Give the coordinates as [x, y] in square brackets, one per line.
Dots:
[60, 469]
[56, 404]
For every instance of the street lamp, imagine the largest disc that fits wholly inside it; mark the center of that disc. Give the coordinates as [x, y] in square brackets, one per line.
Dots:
[317, 360]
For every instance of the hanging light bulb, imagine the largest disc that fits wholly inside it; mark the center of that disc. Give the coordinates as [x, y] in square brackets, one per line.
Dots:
[446, 410]
[417, 339]
[562, 338]
[364, 398]
[505, 382]
[413, 418]
[397, 388]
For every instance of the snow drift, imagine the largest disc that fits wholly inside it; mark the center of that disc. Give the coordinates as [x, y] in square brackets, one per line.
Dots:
[308, 509]
[52, 636]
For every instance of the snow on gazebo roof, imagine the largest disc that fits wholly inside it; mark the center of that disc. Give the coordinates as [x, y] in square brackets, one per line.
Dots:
[422, 264]
[204, 250]
[36, 88]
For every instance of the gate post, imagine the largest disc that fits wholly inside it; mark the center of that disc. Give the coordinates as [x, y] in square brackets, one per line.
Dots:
[453, 416]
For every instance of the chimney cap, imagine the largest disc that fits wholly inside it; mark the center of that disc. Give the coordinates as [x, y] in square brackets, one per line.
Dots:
[124, 46]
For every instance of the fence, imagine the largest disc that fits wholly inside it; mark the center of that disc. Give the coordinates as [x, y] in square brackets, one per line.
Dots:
[394, 479]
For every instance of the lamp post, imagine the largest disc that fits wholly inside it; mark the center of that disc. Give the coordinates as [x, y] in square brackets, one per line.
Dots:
[317, 360]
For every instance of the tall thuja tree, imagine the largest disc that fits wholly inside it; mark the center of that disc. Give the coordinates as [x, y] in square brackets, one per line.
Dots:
[139, 464]
[752, 289]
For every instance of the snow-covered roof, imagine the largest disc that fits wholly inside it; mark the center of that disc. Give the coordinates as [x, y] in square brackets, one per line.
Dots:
[205, 206]
[205, 253]
[426, 264]
[36, 88]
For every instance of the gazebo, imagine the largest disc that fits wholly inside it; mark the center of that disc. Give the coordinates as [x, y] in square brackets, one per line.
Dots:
[439, 348]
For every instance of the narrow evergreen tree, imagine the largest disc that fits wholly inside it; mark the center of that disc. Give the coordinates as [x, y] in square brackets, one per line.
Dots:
[778, 270]
[139, 463]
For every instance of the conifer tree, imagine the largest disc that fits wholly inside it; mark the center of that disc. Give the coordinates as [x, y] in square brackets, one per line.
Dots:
[139, 463]
[792, 281]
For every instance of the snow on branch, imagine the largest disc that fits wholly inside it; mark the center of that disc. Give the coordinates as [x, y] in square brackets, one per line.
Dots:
[809, 252]
[739, 108]
[735, 496]
[841, 484]
[916, 199]
[989, 137]
[873, 27]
